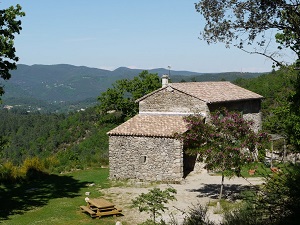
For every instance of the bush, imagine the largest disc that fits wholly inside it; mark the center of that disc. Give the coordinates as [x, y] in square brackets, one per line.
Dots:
[33, 168]
[243, 216]
[198, 216]
[9, 173]
[154, 201]
[279, 198]
[51, 163]
[151, 222]
[277, 202]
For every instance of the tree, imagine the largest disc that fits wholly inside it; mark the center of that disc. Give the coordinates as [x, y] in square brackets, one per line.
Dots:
[154, 201]
[225, 143]
[121, 97]
[9, 26]
[276, 202]
[245, 22]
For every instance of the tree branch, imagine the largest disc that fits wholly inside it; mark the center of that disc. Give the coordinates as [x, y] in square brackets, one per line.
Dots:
[266, 55]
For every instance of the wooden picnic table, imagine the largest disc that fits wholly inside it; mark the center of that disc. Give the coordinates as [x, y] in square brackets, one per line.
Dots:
[98, 207]
[100, 203]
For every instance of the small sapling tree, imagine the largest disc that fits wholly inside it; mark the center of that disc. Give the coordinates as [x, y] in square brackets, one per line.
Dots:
[154, 201]
[225, 143]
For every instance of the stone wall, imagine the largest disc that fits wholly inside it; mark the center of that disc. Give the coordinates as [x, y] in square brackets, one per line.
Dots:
[249, 108]
[145, 158]
[256, 118]
[172, 101]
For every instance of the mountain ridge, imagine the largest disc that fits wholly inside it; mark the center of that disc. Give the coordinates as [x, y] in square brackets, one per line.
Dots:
[69, 84]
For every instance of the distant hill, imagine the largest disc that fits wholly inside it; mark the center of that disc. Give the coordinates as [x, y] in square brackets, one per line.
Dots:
[68, 87]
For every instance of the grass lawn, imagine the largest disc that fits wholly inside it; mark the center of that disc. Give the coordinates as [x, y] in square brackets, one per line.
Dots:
[262, 170]
[53, 200]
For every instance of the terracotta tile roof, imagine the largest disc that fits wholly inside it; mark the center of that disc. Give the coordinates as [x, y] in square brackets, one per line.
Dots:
[215, 91]
[211, 92]
[151, 126]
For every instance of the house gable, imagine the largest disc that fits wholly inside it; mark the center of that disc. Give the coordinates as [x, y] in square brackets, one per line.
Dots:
[171, 101]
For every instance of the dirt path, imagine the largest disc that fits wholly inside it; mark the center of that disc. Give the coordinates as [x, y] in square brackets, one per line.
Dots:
[197, 188]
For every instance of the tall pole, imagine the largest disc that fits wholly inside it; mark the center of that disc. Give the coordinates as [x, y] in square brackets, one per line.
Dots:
[169, 67]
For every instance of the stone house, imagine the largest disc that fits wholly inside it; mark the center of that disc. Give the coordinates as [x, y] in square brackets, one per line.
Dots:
[144, 147]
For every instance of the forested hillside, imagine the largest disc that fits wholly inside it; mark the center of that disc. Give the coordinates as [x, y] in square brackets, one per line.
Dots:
[275, 87]
[65, 88]
[69, 141]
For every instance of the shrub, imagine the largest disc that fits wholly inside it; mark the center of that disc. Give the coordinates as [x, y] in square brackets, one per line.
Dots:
[50, 163]
[277, 202]
[198, 216]
[154, 201]
[246, 215]
[33, 168]
[9, 173]
[151, 222]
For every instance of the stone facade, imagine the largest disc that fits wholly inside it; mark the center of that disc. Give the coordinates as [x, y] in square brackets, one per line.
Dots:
[171, 101]
[145, 158]
[249, 108]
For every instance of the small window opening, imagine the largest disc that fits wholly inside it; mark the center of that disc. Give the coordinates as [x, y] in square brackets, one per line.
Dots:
[143, 159]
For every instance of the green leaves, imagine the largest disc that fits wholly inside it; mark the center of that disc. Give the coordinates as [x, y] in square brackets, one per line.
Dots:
[9, 26]
[154, 201]
[226, 142]
[121, 98]
[278, 199]
[242, 23]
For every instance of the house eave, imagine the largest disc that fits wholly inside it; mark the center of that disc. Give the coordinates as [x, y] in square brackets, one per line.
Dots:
[234, 100]
[140, 135]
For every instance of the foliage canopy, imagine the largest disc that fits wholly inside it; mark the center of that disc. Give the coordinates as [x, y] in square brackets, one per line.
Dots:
[245, 22]
[225, 143]
[252, 22]
[121, 97]
[154, 201]
[9, 26]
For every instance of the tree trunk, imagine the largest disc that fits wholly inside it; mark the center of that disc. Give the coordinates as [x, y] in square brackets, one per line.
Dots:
[271, 154]
[284, 151]
[222, 186]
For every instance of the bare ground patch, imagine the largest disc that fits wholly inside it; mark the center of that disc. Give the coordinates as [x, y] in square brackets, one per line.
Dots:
[197, 188]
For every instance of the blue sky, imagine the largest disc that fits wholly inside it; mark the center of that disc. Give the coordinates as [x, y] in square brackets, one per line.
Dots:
[109, 34]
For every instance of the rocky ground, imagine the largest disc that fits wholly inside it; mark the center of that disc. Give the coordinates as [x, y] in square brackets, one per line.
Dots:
[198, 188]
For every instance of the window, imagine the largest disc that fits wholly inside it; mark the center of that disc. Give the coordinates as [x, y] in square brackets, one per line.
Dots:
[143, 159]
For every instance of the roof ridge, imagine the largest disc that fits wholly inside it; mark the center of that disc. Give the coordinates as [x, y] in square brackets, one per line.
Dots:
[150, 126]
[210, 91]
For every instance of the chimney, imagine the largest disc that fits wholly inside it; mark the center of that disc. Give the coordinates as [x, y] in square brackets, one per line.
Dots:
[164, 80]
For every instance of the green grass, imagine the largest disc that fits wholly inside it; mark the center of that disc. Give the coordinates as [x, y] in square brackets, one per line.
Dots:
[226, 206]
[261, 170]
[53, 200]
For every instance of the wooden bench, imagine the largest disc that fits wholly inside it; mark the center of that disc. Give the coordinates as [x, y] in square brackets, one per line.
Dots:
[119, 209]
[114, 212]
[88, 210]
